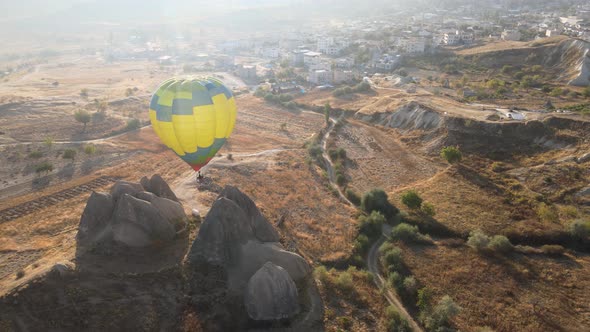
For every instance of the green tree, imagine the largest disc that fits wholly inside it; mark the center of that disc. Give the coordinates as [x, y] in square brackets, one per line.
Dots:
[451, 154]
[327, 110]
[411, 199]
[83, 117]
[377, 200]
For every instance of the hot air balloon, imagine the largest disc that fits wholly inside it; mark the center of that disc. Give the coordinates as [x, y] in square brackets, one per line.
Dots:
[193, 117]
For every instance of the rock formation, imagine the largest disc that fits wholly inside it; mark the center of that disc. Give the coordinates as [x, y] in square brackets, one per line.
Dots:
[271, 294]
[132, 215]
[237, 237]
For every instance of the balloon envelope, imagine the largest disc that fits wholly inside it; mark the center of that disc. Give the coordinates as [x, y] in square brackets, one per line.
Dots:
[193, 117]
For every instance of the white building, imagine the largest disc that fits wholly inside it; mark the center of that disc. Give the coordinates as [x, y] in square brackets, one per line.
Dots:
[510, 35]
[411, 45]
[551, 33]
[312, 58]
[320, 77]
[297, 57]
[457, 38]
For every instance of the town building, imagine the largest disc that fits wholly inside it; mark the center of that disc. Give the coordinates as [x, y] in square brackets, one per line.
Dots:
[320, 77]
[510, 35]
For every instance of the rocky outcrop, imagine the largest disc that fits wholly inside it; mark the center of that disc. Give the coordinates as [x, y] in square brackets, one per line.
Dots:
[271, 294]
[158, 186]
[132, 215]
[237, 238]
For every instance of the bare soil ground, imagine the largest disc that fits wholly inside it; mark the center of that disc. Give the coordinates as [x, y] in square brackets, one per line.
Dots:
[379, 160]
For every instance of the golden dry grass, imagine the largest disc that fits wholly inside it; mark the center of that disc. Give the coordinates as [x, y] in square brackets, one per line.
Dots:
[499, 292]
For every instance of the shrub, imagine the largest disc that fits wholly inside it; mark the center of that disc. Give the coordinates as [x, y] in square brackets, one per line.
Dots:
[133, 124]
[361, 244]
[20, 274]
[394, 321]
[442, 313]
[48, 142]
[428, 209]
[321, 273]
[410, 285]
[230, 156]
[579, 229]
[353, 197]
[44, 167]
[333, 154]
[371, 225]
[90, 149]
[344, 281]
[83, 117]
[556, 92]
[500, 243]
[553, 249]
[506, 69]
[392, 256]
[547, 213]
[518, 75]
[405, 232]
[478, 240]
[376, 200]
[84, 93]
[424, 298]
[35, 154]
[411, 199]
[69, 154]
[396, 281]
[344, 322]
[340, 179]
[451, 154]
[341, 153]
[315, 151]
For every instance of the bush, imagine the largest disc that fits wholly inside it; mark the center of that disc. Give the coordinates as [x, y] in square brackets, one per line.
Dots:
[394, 321]
[411, 199]
[99, 116]
[20, 274]
[321, 273]
[405, 232]
[547, 213]
[428, 209]
[376, 200]
[500, 243]
[340, 179]
[133, 124]
[410, 285]
[353, 197]
[69, 154]
[361, 244]
[371, 225]
[478, 240]
[396, 281]
[90, 149]
[424, 298]
[442, 313]
[341, 153]
[315, 151]
[83, 117]
[579, 229]
[44, 167]
[35, 154]
[344, 281]
[344, 322]
[333, 154]
[553, 249]
[48, 142]
[451, 154]
[506, 69]
[392, 256]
